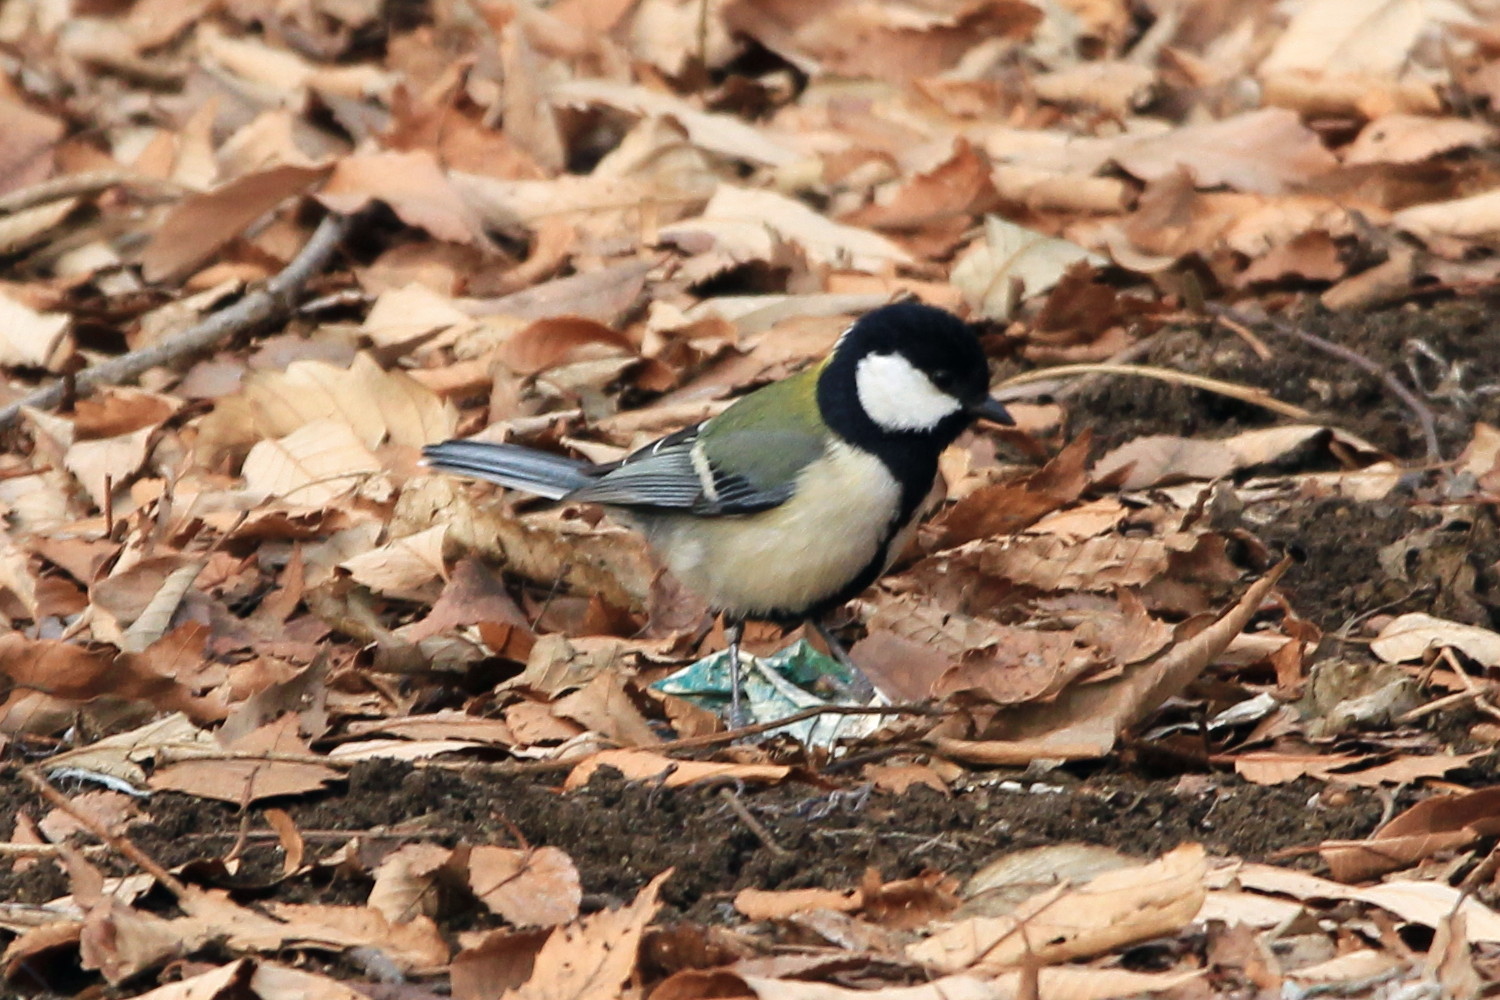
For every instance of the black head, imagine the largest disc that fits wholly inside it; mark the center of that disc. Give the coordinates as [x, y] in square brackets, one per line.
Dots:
[906, 373]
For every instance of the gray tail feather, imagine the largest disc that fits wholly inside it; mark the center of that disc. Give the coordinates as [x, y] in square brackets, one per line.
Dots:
[538, 472]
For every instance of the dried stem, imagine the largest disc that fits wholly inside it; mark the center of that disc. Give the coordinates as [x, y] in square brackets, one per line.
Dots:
[1409, 399]
[260, 306]
[1234, 390]
[83, 185]
[121, 845]
[751, 823]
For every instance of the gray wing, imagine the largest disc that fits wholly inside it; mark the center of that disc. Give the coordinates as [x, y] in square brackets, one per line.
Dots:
[674, 474]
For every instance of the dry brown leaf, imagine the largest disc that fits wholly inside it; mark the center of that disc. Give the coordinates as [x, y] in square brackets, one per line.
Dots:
[406, 567]
[547, 343]
[107, 810]
[1095, 564]
[1019, 664]
[778, 904]
[122, 942]
[160, 611]
[1450, 960]
[281, 69]
[1406, 769]
[908, 904]
[607, 294]
[592, 957]
[498, 963]
[949, 194]
[534, 724]
[29, 338]
[897, 42]
[639, 765]
[413, 185]
[741, 225]
[1398, 138]
[312, 466]
[1481, 456]
[259, 979]
[1476, 217]
[410, 312]
[1085, 720]
[1311, 256]
[1409, 637]
[716, 133]
[898, 779]
[1011, 263]
[1118, 86]
[27, 156]
[1066, 983]
[529, 120]
[1265, 151]
[473, 595]
[1334, 37]
[1438, 824]
[556, 548]
[405, 881]
[605, 706]
[1163, 459]
[16, 577]
[1271, 768]
[1018, 875]
[375, 404]
[1115, 908]
[75, 673]
[242, 781]
[1427, 903]
[200, 225]
[211, 915]
[536, 887]
[448, 724]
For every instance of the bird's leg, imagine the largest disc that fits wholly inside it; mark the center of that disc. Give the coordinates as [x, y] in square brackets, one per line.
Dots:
[860, 689]
[734, 630]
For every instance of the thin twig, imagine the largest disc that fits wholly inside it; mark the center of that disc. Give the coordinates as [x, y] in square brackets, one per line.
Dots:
[13, 850]
[1246, 334]
[1412, 402]
[179, 754]
[120, 844]
[1067, 388]
[754, 825]
[1438, 704]
[1245, 393]
[274, 299]
[83, 185]
[174, 754]
[732, 735]
[1479, 692]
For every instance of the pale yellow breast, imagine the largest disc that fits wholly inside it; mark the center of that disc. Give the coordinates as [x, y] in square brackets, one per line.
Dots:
[791, 556]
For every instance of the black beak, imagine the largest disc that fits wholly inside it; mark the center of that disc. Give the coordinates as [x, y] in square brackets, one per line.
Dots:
[990, 409]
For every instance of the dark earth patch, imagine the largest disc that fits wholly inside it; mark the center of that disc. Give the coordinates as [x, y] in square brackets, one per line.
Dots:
[620, 834]
[1453, 347]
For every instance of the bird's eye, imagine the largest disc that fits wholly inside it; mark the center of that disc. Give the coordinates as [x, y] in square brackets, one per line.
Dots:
[943, 379]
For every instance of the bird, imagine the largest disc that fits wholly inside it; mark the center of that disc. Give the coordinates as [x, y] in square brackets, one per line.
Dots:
[799, 495]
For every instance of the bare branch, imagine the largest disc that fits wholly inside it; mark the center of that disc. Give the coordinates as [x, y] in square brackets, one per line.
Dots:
[262, 305]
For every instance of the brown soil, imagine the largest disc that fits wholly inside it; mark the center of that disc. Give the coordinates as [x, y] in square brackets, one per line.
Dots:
[620, 834]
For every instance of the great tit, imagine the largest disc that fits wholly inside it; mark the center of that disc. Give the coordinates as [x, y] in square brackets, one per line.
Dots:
[799, 495]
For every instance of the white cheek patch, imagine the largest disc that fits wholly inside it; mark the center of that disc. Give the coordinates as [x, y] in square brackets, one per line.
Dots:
[898, 397]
